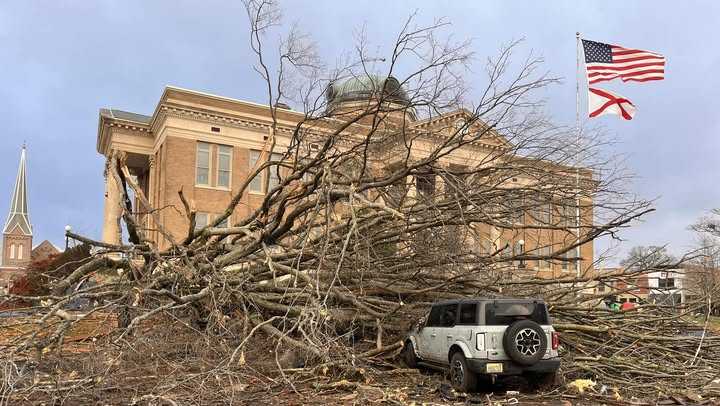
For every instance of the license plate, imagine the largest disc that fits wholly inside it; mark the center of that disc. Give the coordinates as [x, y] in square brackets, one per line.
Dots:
[494, 368]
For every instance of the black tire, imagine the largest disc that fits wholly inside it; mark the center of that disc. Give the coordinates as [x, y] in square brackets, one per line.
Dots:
[461, 377]
[525, 342]
[408, 355]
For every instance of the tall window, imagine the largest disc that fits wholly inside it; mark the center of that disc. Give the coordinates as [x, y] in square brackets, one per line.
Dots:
[202, 165]
[569, 215]
[518, 251]
[455, 181]
[256, 183]
[12, 251]
[201, 221]
[516, 208]
[425, 183]
[20, 251]
[567, 264]
[545, 253]
[273, 171]
[543, 211]
[506, 251]
[224, 165]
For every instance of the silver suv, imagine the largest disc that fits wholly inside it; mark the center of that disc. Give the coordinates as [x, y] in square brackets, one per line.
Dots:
[488, 337]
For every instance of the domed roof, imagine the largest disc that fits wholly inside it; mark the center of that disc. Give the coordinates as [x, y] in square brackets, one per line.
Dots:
[364, 88]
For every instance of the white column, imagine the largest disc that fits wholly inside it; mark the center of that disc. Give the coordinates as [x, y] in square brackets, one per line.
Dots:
[112, 233]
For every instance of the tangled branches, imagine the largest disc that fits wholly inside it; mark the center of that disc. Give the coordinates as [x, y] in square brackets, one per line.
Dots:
[373, 208]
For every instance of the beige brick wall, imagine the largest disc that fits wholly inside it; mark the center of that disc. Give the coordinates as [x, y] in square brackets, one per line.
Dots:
[175, 163]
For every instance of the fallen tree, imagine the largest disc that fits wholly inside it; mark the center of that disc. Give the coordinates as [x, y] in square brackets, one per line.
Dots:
[361, 233]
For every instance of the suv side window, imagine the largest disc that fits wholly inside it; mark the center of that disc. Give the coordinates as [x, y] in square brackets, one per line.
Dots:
[434, 316]
[468, 314]
[448, 315]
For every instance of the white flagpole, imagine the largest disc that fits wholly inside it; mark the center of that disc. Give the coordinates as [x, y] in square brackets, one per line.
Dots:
[577, 153]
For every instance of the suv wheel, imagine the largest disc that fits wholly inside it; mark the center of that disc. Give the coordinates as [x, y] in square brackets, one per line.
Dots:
[525, 342]
[408, 355]
[462, 378]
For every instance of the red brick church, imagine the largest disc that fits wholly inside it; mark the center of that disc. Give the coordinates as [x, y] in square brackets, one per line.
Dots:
[17, 249]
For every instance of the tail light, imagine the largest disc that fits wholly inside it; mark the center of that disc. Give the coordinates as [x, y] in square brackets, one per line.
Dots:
[480, 341]
[555, 340]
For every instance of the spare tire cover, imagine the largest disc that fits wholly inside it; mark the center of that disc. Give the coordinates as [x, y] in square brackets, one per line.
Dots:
[525, 342]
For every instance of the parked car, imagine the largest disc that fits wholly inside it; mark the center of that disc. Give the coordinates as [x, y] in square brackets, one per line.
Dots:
[490, 337]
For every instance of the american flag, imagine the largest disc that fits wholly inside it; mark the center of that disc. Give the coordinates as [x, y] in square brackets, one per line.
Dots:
[607, 62]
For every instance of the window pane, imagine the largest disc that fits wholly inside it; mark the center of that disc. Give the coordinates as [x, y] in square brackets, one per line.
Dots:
[224, 178]
[434, 317]
[223, 224]
[224, 162]
[20, 251]
[567, 265]
[545, 263]
[254, 156]
[203, 176]
[203, 159]
[448, 315]
[468, 313]
[274, 179]
[224, 149]
[202, 164]
[256, 183]
[506, 251]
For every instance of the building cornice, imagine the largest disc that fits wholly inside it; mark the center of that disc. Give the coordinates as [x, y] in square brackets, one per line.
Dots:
[189, 104]
[105, 123]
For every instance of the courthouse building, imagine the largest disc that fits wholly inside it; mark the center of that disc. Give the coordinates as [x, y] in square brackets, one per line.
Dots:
[206, 145]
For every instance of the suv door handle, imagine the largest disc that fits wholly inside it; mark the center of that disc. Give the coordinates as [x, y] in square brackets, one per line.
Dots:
[433, 335]
[449, 336]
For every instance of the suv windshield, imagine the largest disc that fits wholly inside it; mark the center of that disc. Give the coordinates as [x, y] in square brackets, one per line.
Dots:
[505, 313]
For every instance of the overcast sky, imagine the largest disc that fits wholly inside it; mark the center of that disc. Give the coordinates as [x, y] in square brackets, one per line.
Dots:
[60, 61]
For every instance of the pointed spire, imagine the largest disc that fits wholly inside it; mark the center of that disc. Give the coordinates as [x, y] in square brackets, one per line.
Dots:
[18, 216]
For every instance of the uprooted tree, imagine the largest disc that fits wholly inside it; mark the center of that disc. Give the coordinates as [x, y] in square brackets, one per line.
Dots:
[387, 194]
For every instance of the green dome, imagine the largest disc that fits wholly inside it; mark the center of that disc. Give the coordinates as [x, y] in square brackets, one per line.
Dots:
[364, 88]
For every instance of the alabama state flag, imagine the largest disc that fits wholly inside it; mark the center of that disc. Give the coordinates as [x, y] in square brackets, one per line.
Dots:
[606, 102]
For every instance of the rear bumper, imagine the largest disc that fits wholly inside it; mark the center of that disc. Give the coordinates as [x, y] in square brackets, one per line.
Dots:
[479, 366]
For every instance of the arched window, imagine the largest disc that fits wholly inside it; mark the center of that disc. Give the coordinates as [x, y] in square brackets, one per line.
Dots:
[12, 251]
[20, 251]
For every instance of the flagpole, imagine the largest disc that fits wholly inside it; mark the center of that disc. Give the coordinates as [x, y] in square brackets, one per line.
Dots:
[577, 152]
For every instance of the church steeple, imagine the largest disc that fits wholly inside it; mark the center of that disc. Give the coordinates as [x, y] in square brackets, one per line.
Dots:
[18, 216]
[17, 233]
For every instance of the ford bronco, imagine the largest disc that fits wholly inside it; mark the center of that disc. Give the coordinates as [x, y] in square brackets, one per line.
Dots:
[489, 337]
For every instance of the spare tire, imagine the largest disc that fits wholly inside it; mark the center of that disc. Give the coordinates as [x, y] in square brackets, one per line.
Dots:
[525, 342]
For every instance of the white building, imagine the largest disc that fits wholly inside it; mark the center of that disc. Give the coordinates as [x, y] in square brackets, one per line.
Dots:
[667, 287]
